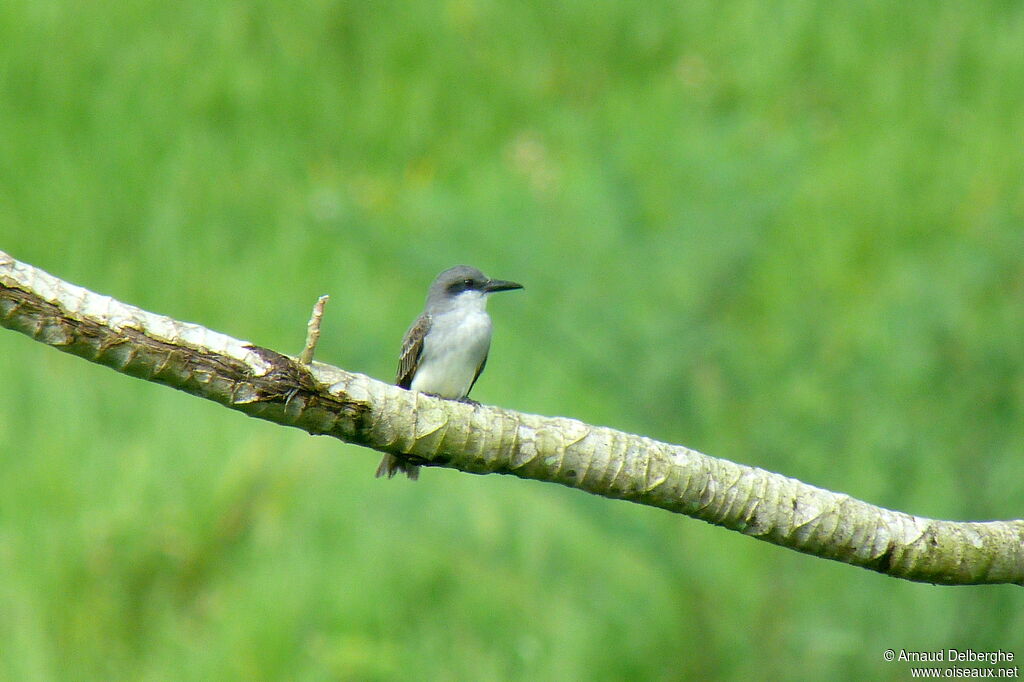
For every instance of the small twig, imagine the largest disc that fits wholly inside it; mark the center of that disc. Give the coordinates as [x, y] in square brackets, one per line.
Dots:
[313, 330]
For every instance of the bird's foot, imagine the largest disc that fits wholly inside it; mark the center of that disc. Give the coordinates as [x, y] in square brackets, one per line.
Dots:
[469, 401]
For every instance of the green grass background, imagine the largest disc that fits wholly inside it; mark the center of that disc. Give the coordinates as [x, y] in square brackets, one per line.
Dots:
[788, 234]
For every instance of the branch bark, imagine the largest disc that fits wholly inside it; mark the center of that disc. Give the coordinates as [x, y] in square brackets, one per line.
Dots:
[322, 399]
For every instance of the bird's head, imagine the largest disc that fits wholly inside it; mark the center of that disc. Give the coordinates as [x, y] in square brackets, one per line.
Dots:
[463, 283]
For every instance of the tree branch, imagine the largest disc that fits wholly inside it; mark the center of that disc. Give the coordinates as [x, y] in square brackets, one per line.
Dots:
[322, 399]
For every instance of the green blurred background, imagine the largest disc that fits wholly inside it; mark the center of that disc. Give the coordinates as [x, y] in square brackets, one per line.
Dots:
[788, 234]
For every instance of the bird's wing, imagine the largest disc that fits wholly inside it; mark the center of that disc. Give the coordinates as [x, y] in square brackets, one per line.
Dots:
[412, 347]
[479, 371]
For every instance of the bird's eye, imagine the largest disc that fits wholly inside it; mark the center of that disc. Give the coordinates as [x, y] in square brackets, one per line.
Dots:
[467, 282]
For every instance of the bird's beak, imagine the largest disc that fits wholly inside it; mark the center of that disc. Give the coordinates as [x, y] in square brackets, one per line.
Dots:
[500, 285]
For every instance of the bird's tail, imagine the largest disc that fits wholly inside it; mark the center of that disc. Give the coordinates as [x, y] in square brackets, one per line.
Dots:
[391, 465]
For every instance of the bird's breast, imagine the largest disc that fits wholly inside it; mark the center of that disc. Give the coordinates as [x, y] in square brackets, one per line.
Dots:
[453, 350]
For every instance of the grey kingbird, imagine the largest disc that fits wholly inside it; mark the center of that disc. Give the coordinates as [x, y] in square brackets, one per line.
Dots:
[445, 349]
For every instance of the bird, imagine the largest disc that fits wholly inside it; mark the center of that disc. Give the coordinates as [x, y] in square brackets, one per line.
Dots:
[445, 349]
